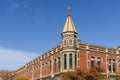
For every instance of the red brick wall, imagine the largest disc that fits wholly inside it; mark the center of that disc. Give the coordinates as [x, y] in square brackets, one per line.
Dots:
[82, 60]
[103, 58]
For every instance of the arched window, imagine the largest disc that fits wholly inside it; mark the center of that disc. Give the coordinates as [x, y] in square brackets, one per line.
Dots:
[92, 61]
[65, 60]
[98, 61]
[70, 60]
[114, 65]
[109, 65]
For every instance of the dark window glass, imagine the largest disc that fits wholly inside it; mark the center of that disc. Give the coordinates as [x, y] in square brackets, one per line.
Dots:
[59, 63]
[78, 63]
[109, 65]
[92, 61]
[113, 65]
[75, 60]
[50, 66]
[54, 65]
[46, 68]
[70, 61]
[109, 68]
[98, 61]
[65, 65]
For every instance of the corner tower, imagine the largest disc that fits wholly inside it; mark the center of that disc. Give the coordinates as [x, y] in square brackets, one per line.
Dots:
[69, 44]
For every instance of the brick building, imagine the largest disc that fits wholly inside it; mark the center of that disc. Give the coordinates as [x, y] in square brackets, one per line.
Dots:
[71, 53]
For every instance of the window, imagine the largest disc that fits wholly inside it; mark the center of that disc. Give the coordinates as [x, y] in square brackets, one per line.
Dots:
[54, 65]
[113, 65]
[78, 63]
[43, 69]
[119, 64]
[70, 41]
[92, 61]
[46, 68]
[70, 60]
[88, 56]
[75, 60]
[67, 42]
[65, 60]
[59, 63]
[109, 65]
[64, 42]
[50, 66]
[119, 52]
[98, 61]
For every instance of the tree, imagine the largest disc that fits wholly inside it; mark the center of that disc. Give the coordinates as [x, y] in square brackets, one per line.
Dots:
[95, 73]
[80, 74]
[118, 75]
[74, 75]
[21, 78]
[69, 75]
[7, 75]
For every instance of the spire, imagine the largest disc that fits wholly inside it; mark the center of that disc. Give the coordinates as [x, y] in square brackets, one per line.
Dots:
[69, 25]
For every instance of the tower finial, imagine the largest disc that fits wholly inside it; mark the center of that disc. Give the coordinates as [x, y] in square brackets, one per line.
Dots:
[68, 10]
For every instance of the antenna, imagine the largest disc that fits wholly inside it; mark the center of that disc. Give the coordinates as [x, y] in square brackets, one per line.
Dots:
[68, 10]
[68, 7]
[68, 2]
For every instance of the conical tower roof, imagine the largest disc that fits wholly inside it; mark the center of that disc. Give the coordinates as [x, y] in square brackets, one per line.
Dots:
[69, 25]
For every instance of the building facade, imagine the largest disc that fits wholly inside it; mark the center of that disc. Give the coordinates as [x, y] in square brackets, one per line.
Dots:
[71, 53]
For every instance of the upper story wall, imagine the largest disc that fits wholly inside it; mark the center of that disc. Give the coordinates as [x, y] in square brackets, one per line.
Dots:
[109, 58]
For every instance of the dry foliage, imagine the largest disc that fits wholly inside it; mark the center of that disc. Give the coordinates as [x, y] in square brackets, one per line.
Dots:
[21, 78]
[118, 75]
[7, 75]
[92, 74]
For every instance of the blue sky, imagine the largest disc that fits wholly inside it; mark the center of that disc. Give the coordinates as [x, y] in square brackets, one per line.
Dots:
[29, 28]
